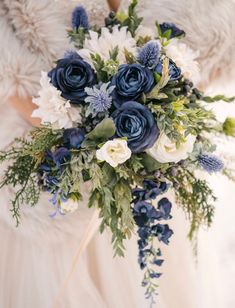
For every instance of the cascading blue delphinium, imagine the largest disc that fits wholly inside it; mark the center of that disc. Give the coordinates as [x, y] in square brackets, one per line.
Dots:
[146, 215]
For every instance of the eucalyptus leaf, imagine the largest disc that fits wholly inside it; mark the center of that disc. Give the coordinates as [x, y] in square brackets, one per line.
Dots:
[103, 131]
[150, 163]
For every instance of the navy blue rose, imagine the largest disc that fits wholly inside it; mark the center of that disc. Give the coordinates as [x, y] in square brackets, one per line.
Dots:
[169, 26]
[136, 122]
[173, 71]
[130, 82]
[71, 76]
[73, 137]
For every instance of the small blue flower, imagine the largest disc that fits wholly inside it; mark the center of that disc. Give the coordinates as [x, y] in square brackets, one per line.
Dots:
[155, 275]
[163, 232]
[158, 262]
[100, 99]
[154, 189]
[210, 163]
[175, 31]
[73, 137]
[80, 18]
[143, 212]
[61, 156]
[150, 191]
[164, 206]
[173, 71]
[149, 54]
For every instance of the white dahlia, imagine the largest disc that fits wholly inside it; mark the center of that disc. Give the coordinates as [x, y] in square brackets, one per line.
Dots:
[106, 42]
[185, 58]
[53, 108]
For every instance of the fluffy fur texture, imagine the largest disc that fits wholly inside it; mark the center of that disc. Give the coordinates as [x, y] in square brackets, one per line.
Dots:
[31, 39]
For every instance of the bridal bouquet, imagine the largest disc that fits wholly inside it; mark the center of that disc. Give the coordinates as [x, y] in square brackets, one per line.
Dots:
[121, 111]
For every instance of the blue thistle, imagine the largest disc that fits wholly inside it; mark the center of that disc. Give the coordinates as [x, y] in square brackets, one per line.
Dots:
[80, 18]
[100, 99]
[149, 54]
[210, 163]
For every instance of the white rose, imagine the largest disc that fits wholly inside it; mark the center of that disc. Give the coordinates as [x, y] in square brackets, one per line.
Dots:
[114, 152]
[144, 31]
[165, 150]
[68, 206]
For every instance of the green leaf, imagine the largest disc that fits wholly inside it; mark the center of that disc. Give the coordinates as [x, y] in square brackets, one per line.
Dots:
[130, 58]
[123, 199]
[114, 53]
[151, 164]
[109, 175]
[162, 82]
[167, 34]
[209, 99]
[103, 131]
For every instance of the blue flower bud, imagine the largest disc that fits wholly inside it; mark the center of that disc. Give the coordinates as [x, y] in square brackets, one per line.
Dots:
[210, 163]
[73, 137]
[80, 18]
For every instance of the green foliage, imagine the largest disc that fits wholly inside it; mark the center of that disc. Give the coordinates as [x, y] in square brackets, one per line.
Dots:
[77, 37]
[229, 127]
[131, 21]
[217, 98]
[142, 40]
[130, 58]
[123, 199]
[196, 199]
[24, 157]
[20, 175]
[102, 132]
[99, 65]
[106, 69]
[151, 164]
[179, 117]
[111, 193]
[162, 81]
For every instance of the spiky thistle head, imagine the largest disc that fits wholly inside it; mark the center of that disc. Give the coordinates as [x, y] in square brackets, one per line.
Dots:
[149, 54]
[80, 18]
[210, 163]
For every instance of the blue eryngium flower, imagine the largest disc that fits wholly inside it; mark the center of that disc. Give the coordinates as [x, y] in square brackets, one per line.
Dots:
[136, 122]
[175, 31]
[210, 163]
[73, 137]
[149, 54]
[80, 18]
[173, 71]
[100, 98]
